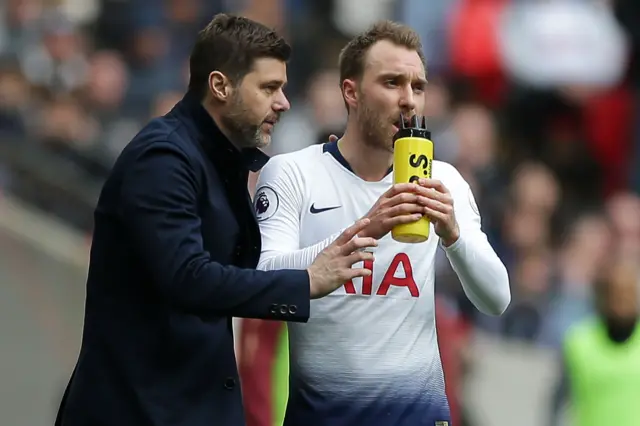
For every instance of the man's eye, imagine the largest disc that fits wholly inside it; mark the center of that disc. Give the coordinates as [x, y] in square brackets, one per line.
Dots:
[390, 83]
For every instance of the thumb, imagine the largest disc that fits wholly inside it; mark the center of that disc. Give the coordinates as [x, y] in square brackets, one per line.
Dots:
[333, 138]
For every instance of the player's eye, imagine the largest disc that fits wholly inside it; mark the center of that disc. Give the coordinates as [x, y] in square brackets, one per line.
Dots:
[391, 82]
[418, 88]
[272, 87]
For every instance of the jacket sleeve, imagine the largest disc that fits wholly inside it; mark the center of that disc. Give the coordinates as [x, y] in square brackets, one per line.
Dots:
[158, 206]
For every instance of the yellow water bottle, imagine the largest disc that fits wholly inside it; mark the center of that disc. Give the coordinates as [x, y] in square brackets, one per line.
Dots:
[412, 159]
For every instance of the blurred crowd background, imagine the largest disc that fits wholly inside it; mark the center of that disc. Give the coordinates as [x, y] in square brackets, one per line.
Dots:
[535, 102]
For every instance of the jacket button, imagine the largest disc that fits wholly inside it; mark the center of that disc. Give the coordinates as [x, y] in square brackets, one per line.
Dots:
[229, 383]
[293, 309]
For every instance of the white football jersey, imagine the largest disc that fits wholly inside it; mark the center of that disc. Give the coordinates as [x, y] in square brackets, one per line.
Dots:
[369, 353]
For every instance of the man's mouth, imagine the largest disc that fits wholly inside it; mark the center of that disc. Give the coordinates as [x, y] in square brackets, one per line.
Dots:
[271, 121]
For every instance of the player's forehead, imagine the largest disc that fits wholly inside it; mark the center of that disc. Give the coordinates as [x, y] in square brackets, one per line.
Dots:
[388, 58]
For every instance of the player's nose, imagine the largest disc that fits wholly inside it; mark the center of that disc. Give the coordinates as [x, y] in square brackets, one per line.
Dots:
[407, 101]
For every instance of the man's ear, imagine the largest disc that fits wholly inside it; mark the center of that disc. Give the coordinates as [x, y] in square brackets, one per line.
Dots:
[219, 86]
[350, 92]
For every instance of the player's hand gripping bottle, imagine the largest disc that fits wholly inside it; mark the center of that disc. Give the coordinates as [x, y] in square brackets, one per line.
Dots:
[412, 159]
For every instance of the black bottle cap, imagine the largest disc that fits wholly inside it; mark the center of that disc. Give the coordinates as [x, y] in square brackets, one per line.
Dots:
[417, 128]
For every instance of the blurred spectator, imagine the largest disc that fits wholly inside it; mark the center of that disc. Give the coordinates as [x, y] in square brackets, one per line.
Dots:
[58, 63]
[601, 367]
[530, 283]
[624, 211]
[15, 94]
[19, 25]
[323, 113]
[105, 97]
[474, 134]
[580, 258]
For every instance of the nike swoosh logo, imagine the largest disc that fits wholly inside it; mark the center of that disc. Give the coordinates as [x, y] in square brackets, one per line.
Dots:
[314, 210]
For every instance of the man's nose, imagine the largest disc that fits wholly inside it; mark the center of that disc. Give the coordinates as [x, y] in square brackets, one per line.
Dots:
[407, 101]
[282, 103]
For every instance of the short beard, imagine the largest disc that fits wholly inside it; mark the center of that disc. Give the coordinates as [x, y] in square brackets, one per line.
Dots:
[372, 127]
[244, 132]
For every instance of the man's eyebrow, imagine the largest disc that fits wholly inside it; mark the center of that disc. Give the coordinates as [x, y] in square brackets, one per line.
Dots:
[390, 74]
[275, 82]
[395, 75]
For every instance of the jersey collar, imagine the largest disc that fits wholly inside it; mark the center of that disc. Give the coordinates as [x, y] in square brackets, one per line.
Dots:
[332, 148]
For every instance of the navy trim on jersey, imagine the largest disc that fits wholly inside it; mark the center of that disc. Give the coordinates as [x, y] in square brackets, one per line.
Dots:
[332, 148]
[318, 411]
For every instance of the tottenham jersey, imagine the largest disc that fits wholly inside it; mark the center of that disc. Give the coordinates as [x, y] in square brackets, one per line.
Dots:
[369, 353]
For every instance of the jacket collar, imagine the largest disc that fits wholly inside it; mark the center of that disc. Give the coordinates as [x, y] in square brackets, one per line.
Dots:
[213, 140]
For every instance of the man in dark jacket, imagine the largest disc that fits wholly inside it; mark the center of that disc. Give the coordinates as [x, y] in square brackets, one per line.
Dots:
[176, 242]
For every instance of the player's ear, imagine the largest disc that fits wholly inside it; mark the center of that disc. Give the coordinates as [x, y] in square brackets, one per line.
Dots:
[350, 92]
[219, 86]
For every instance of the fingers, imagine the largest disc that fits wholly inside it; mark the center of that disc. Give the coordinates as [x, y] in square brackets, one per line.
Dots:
[333, 138]
[410, 192]
[358, 273]
[430, 193]
[433, 194]
[358, 256]
[352, 231]
[436, 216]
[433, 184]
[402, 198]
[357, 244]
[399, 188]
[436, 191]
[401, 220]
[404, 209]
[437, 206]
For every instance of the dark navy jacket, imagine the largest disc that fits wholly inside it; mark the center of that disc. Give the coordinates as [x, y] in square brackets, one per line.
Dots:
[174, 249]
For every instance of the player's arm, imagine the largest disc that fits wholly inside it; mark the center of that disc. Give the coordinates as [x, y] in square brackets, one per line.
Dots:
[483, 276]
[278, 200]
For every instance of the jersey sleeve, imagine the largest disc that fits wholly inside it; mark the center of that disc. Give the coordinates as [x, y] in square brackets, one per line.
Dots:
[483, 276]
[279, 197]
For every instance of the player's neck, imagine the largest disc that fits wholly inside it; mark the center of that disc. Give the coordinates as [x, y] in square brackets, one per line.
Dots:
[368, 163]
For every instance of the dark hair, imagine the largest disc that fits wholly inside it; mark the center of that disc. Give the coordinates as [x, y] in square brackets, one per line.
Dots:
[230, 44]
[352, 56]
